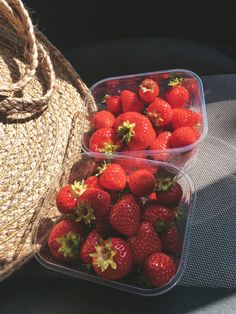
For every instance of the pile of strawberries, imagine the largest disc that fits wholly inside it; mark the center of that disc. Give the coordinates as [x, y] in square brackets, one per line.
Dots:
[147, 118]
[120, 221]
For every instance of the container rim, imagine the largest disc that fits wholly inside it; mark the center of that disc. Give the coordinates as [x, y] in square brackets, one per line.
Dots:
[116, 284]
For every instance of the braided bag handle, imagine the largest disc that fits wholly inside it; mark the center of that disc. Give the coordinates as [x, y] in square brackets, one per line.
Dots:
[16, 14]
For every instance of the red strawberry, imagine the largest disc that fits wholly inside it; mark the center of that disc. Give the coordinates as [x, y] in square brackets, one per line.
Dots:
[158, 216]
[93, 182]
[162, 142]
[104, 141]
[185, 117]
[170, 240]
[159, 112]
[103, 119]
[184, 136]
[145, 242]
[135, 130]
[113, 104]
[160, 269]
[142, 182]
[169, 192]
[66, 198]
[191, 85]
[152, 196]
[112, 177]
[125, 215]
[112, 259]
[65, 239]
[131, 102]
[148, 90]
[93, 204]
[177, 96]
[88, 246]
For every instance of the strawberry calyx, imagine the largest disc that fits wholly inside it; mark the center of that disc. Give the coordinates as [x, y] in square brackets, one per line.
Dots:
[163, 184]
[154, 114]
[69, 244]
[126, 131]
[85, 212]
[105, 98]
[145, 89]
[109, 148]
[78, 188]
[161, 225]
[103, 257]
[102, 168]
[175, 82]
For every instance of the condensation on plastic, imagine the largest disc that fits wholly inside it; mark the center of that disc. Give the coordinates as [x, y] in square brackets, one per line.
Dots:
[82, 166]
[182, 157]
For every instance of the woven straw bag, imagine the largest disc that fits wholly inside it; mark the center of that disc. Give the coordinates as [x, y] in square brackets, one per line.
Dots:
[41, 103]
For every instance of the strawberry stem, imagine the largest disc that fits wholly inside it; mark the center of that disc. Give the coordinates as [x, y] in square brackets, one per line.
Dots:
[102, 168]
[126, 131]
[175, 82]
[69, 244]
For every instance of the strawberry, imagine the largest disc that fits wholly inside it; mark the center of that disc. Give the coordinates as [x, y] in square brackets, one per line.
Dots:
[169, 192]
[191, 85]
[184, 136]
[161, 143]
[125, 215]
[65, 239]
[131, 102]
[177, 96]
[103, 119]
[112, 259]
[148, 90]
[135, 130]
[93, 182]
[152, 196]
[88, 246]
[160, 217]
[160, 269]
[145, 242]
[141, 182]
[66, 198]
[104, 141]
[112, 177]
[185, 117]
[159, 112]
[170, 240]
[113, 104]
[93, 204]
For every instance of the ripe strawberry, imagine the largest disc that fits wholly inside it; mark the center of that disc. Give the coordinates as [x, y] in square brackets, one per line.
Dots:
[104, 141]
[88, 246]
[159, 112]
[135, 130]
[103, 119]
[93, 204]
[152, 196]
[66, 198]
[170, 240]
[65, 239]
[145, 242]
[125, 215]
[160, 217]
[113, 104]
[148, 90]
[162, 142]
[169, 192]
[131, 102]
[141, 182]
[177, 96]
[93, 182]
[160, 269]
[184, 136]
[185, 117]
[112, 177]
[112, 259]
[190, 84]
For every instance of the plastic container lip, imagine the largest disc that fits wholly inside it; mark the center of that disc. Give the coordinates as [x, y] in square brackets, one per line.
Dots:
[116, 284]
[169, 150]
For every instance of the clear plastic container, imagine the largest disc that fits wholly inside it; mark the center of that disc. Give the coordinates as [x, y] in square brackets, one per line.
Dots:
[182, 157]
[82, 166]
